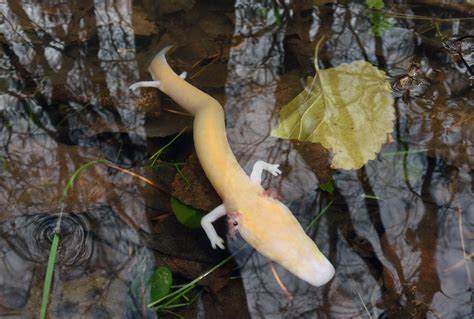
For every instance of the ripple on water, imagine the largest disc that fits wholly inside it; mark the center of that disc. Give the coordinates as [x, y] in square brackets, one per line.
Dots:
[97, 252]
[31, 237]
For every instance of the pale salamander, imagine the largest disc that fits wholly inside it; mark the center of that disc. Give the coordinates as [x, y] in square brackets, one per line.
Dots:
[263, 221]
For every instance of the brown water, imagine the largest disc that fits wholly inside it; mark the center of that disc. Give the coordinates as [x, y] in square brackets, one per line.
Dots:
[399, 231]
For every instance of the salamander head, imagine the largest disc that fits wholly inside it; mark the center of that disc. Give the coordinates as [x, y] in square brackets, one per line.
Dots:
[275, 233]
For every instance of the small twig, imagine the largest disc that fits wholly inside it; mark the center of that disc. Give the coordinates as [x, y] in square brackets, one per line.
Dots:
[352, 282]
[468, 271]
[418, 17]
[214, 60]
[466, 257]
[176, 112]
[279, 282]
[157, 154]
[140, 177]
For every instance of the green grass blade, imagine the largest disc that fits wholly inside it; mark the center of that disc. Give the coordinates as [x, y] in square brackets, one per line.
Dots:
[398, 153]
[71, 180]
[371, 197]
[55, 244]
[191, 285]
[318, 216]
[157, 154]
[49, 275]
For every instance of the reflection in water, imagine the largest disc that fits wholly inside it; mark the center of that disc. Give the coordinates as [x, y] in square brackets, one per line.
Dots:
[399, 231]
[404, 236]
[397, 252]
[95, 242]
[117, 56]
[51, 92]
[30, 237]
[250, 89]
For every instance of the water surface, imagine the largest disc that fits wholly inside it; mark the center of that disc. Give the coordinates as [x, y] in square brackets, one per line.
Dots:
[399, 230]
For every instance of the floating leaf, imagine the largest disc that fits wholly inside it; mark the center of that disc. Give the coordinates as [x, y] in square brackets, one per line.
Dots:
[197, 191]
[347, 109]
[186, 215]
[160, 283]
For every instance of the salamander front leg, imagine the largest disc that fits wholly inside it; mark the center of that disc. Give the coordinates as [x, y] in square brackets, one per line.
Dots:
[259, 166]
[206, 223]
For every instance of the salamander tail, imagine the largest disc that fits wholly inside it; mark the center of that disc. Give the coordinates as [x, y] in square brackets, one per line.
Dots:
[187, 96]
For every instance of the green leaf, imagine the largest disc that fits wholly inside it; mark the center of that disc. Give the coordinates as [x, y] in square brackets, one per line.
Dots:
[160, 283]
[261, 12]
[375, 4]
[185, 214]
[328, 186]
[379, 24]
[348, 109]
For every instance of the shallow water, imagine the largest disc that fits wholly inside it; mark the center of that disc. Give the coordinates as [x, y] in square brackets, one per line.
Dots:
[399, 231]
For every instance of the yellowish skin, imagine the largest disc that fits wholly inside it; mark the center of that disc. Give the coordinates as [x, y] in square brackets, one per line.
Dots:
[264, 222]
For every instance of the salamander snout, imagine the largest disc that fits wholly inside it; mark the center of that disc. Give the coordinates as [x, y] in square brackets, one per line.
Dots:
[318, 271]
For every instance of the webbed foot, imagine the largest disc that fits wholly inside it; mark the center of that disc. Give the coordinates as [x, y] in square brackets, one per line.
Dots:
[273, 169]
[217, 242]
[259, 167]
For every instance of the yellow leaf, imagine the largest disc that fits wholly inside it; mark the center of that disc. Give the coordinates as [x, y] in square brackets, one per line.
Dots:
[347, 109]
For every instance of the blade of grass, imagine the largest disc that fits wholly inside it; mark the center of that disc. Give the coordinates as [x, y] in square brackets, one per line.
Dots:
[173, 313]
[389, 154]
[318, 216]
[371, 197]
[162, 308]
[178, 305]
[191, 285]
[158, 153]
[55, 243]
[185, 179]
[352, 282]
[72, 179]
[181, 295]
[49, 274]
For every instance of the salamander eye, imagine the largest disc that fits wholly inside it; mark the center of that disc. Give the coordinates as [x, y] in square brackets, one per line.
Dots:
[235, 223]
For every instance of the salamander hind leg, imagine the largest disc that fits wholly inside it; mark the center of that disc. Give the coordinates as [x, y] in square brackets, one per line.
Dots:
[145, 84]
[152, 84]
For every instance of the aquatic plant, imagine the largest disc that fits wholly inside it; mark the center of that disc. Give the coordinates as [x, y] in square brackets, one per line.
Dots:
[56, 238]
